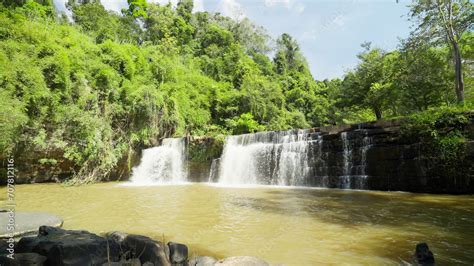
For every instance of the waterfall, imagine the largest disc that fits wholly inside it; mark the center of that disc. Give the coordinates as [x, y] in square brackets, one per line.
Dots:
[347, 155]
[162, 164]
[213, 173]
[366, 144]
[351, 164]
[276, 158]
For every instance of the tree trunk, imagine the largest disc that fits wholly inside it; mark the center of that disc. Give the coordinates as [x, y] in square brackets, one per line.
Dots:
[378, 113]
[458, 73]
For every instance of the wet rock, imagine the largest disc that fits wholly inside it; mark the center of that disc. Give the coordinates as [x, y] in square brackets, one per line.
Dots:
[202, 261]
[7, 246]
[145, 249]
[423, 255]
[23, 259]
[116, 236]
[70, 247]
[178, 253]
[242, 260]
[27, 244]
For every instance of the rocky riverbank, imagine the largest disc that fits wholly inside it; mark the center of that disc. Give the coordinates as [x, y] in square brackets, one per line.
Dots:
[56, 246]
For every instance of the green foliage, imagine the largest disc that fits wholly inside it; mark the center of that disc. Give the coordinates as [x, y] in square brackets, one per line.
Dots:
[136, 8]
[401, 82]
[244, 124]
[205, 149]
[443, 133]
[11, 120]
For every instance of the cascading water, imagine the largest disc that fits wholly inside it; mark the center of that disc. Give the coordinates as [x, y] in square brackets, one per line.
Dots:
[351, 166]
[366, 144]
[294, 158]
[162, 164]
[214, 171]
[347, 154]
[276, 158]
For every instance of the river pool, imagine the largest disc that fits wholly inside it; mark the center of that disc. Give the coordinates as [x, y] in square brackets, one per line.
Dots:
[291, 226]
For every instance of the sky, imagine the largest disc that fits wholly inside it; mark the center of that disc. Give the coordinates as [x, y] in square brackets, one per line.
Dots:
[329, 32]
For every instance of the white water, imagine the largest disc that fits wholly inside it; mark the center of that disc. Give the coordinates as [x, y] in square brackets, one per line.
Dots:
[275, 158]
[293, 158]
[359, 180]
[347, 154]
[214, 170]
[366, 144]
[162, 164]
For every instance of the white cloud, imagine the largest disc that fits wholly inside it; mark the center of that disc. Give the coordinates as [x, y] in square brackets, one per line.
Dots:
[115, 5]
[198, 6]
[231, 8]
[271, 3]
[292, 5]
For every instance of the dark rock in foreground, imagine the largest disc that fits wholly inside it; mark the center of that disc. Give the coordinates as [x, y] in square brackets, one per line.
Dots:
[22, 259]
[423, 255]
[55, 246]
[70, 247]
[178, 253]
[145, 249]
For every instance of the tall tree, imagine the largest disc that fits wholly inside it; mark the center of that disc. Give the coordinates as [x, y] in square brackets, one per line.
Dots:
[444, 21]
[136, 8]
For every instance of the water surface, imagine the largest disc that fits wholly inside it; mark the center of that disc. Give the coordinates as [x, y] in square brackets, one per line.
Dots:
[292, 226]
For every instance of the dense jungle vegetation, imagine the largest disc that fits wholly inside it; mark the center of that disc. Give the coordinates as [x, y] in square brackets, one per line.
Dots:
[100, 83]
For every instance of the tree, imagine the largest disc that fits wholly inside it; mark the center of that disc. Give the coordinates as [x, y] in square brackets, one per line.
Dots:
[136, 8]
[369, 84]
[185, 9]
[288, 56]
[445, 21]
[423, 78]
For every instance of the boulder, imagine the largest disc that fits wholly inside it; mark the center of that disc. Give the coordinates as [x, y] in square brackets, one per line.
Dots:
[202, 261]
[117, 236]
[7, 246]
[70, 247]
[145, 249]
[423, 255]
[178, 253]
[242, 260]
[23, 259]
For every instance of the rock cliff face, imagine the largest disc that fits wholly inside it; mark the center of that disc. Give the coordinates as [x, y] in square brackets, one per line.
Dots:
[376, 156]
[30, 167]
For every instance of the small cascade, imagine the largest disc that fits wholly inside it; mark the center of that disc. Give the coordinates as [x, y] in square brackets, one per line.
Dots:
[214, 171]
[162, 164]
[347, 154]
[276, 158]
[354, 160]
[366, 144]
